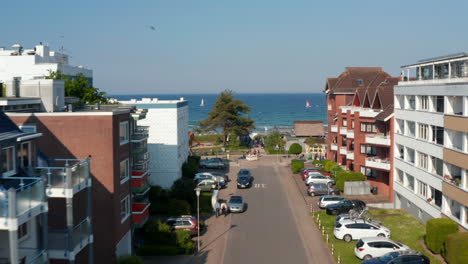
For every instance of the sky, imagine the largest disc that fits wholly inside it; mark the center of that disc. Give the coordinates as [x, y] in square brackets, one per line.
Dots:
[249, 46]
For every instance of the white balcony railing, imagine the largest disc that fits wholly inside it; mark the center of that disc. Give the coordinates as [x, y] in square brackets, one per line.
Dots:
[334, 128]
[363, 112]
[334, 146]
[350, 155]
[350, 133]
[343, 151]
[378, 140]
[343, 130]
[378, 163]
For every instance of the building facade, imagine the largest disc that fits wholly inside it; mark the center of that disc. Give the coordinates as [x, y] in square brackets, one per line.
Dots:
[360, 120]
[431, 139]
[167, 122]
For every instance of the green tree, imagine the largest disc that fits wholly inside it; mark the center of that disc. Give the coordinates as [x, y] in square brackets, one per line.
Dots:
[79, 87]
[228, 114]
[295, 149]
[274, 139]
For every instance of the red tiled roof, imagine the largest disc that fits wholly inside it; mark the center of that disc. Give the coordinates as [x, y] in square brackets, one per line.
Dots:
[309, 129]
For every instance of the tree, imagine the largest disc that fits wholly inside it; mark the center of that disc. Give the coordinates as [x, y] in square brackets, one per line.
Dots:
[79, 87]
[228, 114]
[310, 141]
[274, 139]
[295, 149]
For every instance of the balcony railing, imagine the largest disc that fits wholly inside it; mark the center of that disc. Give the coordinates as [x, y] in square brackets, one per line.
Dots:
[343, 130]
[140, 156]
[65, 177]
[334, 128]
[140, 133]
[363, 112]
[350, 133]
[378, 140]
[333, 146]
[350, 155]
[140, 182]
[140, 166]
[378, 163]
[140, 213]
[66, 243]
[343, 151]
[19, 196]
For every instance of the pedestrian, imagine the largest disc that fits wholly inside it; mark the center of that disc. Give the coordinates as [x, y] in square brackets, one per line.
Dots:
[224, 208]
[217, 206]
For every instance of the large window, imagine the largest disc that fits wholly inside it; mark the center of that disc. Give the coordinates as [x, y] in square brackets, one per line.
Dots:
[124, 170]
[124, 133]
[424, 102]
[410, 128]
[124, 208]
[437, 135]
[422, 189]
[368, 127]
[8, 161]
[437, 166]
[423, 131]
[370, 173]
[410, 156]
[369, 150]
[411, 102]
[399, 176]
[439, 103]
[410, 182]
[26, 154]
[422, 160]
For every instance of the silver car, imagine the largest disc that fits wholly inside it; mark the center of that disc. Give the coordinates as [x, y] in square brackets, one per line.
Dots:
[236, 204]
[321, 189]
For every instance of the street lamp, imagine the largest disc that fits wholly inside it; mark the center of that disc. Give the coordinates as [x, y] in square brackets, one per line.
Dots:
[197, 191]
[277, 153]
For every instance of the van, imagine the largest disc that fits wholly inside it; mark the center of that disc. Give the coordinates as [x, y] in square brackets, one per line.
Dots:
[329, 199]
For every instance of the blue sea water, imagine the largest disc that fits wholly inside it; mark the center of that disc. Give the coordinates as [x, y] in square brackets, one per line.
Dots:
[268, 110]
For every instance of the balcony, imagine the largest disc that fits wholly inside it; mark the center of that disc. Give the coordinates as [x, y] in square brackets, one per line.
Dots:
[363, 112]
[140, 214]
[350, 133]
[343, 151]
[140, 166]
[350, 155]
[378, 163]
[334, 128]
[454, 191]
[334, 146]
[65, 177]
[27, 255]
[140, 134]
[140, 156]
[343, 130]
[378, 140]
[22, 198]
[139, 114]
[140, 182]
[66, 244]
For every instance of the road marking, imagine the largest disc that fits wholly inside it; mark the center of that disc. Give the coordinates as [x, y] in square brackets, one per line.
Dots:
[260, 185]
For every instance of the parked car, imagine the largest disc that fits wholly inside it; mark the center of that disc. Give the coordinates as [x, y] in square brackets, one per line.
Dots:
[321, 189]
[213, 163]
[344, 206]
[326, 200]
[346, 216]
[209, 176]
[207, 185]
[244, 172]
[400, 257]
[225, 176]
[307, 173]
[183, 222]
[349, 230]
[236, 204]
[372, 247]
[319, 179]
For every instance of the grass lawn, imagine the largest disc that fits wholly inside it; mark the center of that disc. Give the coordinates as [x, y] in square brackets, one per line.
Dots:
[404, 228]
[212, 138]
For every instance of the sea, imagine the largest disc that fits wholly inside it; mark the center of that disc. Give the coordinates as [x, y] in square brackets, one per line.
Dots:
[268, 110]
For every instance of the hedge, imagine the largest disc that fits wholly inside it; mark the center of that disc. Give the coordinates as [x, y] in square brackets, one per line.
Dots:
[130, 260]
[343, 176]
[190, 167]
[297, 165]
[159, 250]
[178, 207]
[295, 148]
[437, 230]
[456, 248]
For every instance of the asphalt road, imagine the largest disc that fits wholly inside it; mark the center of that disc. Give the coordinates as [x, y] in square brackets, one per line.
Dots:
[267, 231]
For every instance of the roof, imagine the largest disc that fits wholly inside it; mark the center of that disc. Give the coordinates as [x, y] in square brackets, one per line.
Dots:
[309, 129]
[439, 58]
[347, 81]
[6, 125]
[385, 114]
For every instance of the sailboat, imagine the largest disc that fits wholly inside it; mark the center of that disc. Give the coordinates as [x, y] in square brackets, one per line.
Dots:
[202, 103]
[308, 104]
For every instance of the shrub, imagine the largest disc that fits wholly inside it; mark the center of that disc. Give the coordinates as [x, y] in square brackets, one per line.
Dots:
[190, 167]
[182, 189]
[328, 165]
[456, 248]
[159, 199]
[437, 230]
[184, 242]
[161, 250]
[130, 260]
[343, 176]
[297, 165]
[178, 207]
[158, 233]
[295, 148]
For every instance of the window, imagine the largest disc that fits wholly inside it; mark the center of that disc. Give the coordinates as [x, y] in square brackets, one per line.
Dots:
[423, 131]
[410, 156]
[8, 161]
[26, 154]
[345, 122]
[439, 104]
[368, 127]
[410, 182]
[422, 160]
[124, 208]
[437, 166]
[370, 173]
[437, 135]
[28, 128]
[124, 171]
[410, 128]
[411, 102]
[424, 102]
[367, 149]
[422, 189]
[352, 123]
[123, 133]
[360, 82]
[23, 231]
[399, 176]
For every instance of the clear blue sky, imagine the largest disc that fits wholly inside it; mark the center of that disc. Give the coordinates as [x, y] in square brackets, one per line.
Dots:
[202, 46]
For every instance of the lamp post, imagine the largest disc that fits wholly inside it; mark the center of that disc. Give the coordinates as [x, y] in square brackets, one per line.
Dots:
[197, 191]
[277, 153]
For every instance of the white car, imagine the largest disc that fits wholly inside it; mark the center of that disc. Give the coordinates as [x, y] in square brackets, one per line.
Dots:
[349, 230]
[342, 217]
[374, 247]
[207, 175]
[319, 179]
[326, 200]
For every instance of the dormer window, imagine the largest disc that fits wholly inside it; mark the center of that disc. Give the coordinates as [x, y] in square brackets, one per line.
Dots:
[8, 163]
[360, 82]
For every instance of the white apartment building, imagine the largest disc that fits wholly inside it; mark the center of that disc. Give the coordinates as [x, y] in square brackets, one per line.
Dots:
[431, 139]
[168, 141]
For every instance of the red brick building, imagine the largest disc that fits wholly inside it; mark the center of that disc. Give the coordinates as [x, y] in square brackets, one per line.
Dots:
[360, 124]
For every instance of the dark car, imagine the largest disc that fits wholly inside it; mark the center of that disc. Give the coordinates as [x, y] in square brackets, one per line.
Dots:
[244, 172]
[243, 182]
[400, 257]
[344, 207]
